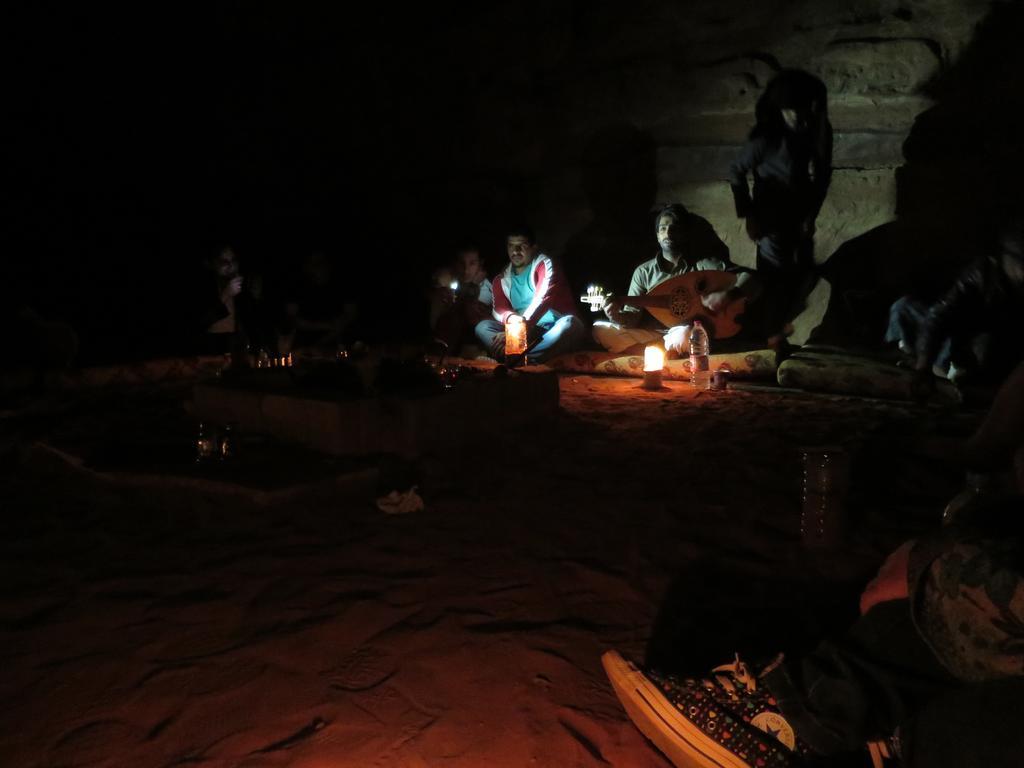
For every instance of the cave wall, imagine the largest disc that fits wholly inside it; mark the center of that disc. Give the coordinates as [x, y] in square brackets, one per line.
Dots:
[589, 114]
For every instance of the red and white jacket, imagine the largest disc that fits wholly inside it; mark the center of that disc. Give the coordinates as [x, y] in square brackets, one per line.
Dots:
[550, 290]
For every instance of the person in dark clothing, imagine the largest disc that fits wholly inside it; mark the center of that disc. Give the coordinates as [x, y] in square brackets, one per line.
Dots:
[218, 309]
[789, 154]
[460, 297]
[939, 643]
[231, 311]
[974, 330]
[260, 315]
[318, 312]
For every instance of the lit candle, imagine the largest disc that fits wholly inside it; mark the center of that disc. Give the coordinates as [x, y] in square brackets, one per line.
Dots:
[454, 285]
[654, 362]
[515, 335]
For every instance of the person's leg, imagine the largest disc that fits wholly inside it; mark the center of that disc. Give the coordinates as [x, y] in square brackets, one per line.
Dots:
[820, 709]
[566, 334]
[804, 277]
[906, 318]
[492, 336]
[859, 688]
[617, 339]
[770, 270]
[785, 263]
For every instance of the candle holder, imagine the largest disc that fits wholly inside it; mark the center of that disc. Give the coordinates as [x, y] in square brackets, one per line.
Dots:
[654, 364]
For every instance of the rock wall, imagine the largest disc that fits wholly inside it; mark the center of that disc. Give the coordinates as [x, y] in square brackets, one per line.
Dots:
[594, 112]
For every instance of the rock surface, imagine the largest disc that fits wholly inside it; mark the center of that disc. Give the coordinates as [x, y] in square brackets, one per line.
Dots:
[685, 77]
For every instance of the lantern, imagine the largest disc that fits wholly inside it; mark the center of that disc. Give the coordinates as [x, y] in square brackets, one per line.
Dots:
[654, 362]
[515, 336]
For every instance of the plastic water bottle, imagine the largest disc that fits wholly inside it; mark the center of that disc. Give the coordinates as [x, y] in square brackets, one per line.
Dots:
[700, 366]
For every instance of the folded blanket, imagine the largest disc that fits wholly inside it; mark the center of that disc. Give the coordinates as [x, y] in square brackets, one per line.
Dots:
[836, 372]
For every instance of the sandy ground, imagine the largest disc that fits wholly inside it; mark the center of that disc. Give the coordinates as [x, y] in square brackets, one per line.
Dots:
[314, 631]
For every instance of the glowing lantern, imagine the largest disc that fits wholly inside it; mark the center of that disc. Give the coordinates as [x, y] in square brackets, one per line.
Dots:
[654, 362]
[515, 336]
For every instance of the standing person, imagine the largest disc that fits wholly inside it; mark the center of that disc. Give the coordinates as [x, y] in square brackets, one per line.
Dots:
[533, 287]
[789, 154]
[627, 330]
[461, 296]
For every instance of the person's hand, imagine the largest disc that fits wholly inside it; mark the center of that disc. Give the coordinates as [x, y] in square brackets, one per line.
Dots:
[232, 289]
[890, 583]
[612, 308]
[715, 301]
[754, 231]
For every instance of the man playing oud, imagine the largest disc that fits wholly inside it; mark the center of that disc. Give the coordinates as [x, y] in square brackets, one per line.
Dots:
[684, 248]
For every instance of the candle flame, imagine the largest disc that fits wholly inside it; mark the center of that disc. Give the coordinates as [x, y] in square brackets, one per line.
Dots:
[654, 358]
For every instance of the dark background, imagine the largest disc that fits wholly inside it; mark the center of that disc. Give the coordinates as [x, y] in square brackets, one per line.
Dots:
[146, 137]
[142, 138]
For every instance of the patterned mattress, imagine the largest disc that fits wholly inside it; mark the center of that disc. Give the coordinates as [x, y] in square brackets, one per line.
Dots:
[756, 364]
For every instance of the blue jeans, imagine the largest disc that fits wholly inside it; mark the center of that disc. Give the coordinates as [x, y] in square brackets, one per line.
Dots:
[907, 318]
[564, 335]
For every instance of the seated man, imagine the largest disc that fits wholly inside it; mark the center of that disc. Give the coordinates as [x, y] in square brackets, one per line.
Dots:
[929, 675]
[319, 312]
[461, 297]
[974, 330]
[628, 329]
[533, 287]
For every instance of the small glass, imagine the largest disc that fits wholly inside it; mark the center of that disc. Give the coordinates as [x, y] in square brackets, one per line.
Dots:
[205, 444]
[229, 443]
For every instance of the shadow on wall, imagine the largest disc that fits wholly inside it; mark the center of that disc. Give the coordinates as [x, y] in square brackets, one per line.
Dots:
[961, 177]
[619, 181]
